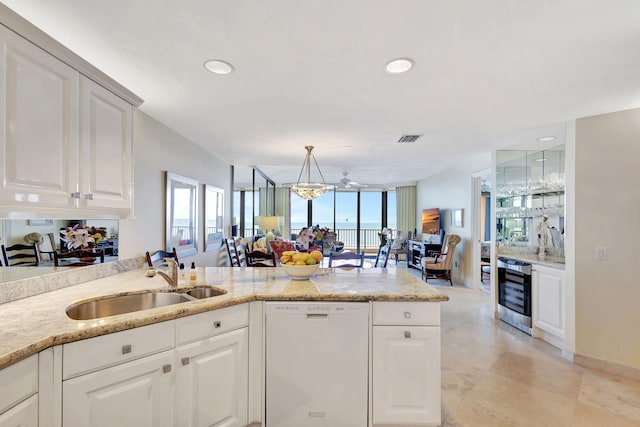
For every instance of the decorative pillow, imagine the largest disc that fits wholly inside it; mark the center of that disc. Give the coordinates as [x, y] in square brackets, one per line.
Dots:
[279, 246]
[260, 245]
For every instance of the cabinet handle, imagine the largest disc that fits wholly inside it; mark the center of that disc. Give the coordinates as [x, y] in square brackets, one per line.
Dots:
[166, 369]
[217, 324]
[126, 348]
[185, 361]
[88, 196]
[407, 315]
[407, 334]
[75, 195]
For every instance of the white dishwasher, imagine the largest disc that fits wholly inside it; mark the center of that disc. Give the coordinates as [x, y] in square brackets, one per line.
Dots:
[316, 364]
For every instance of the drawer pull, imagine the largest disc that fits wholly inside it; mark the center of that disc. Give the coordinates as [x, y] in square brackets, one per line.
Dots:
[88, 196]
[166, 368]
[217, 324]
[407, 334]
[75, 195]
[126, 349]
[185, 361]
[407, 315]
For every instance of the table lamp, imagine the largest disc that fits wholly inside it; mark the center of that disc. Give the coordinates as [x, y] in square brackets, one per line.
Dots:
[270, 224]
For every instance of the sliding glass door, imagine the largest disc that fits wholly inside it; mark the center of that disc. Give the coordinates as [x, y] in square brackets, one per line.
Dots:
[356, 216]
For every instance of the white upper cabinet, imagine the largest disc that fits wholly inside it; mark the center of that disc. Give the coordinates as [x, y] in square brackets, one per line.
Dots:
[65, 140]
[105, 149]
[39, 126]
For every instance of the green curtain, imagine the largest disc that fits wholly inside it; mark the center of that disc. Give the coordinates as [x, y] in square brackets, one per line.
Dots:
[406, 208]
[283, 209]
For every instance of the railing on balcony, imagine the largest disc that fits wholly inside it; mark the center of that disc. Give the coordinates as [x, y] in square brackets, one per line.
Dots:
[182, 234]
[369, 239]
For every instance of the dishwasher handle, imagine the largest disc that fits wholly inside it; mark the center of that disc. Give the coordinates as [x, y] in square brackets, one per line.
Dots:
[317, 316]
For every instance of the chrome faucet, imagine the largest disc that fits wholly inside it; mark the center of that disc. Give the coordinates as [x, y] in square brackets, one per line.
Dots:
[172, 270]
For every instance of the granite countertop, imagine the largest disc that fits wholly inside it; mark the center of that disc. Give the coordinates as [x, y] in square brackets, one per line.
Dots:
[548, 261]
[32, 324]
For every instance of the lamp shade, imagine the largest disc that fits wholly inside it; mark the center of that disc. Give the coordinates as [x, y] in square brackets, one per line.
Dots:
[270, 223]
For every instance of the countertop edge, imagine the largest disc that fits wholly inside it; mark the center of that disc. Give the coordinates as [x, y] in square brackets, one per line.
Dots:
[173, 312]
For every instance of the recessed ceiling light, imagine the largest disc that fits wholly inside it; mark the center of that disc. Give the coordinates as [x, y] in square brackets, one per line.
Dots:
[399, 65]
[218, 66]
[546, 138]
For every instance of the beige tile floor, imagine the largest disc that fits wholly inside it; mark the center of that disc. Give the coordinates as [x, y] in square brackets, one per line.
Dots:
[495, 375]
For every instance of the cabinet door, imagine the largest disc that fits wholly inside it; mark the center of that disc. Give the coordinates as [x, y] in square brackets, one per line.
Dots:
[38, 126]
[135, 394]
[105, 148]
[212, 381]
[406, 374]
[25, 414]
[548, 300]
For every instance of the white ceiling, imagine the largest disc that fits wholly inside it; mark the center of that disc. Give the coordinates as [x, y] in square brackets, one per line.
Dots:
[488, 74]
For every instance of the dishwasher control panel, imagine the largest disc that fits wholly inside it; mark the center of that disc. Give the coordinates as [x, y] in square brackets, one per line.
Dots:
[315, 307]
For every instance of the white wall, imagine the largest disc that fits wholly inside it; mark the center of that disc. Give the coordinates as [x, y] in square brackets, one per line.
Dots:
[451, 190]
[157, 148]
[607, 213]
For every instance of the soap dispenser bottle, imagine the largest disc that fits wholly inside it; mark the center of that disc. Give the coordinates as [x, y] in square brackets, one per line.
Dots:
[182, 274]
[192, 272]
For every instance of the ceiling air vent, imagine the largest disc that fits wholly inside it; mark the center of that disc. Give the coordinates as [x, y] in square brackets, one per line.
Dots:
[409, 138]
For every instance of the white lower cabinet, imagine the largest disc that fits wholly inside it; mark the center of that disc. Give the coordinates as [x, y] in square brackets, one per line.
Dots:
[19, 394]
[136, 394]
[212, 380]
[548, 304]
[189, 372]
[406, 364]
[25, 414]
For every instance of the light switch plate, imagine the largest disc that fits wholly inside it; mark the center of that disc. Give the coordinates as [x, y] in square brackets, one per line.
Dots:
[601, 252]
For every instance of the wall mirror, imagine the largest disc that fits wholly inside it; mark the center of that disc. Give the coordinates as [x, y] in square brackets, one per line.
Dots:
[181, 214]
[253, 197]
[213, 217]
[46, 233]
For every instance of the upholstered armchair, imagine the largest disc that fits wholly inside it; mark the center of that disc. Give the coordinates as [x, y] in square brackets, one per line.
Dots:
[400, 243]
[440, 265]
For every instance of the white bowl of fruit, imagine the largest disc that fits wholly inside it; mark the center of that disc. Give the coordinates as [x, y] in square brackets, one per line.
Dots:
[300, 265]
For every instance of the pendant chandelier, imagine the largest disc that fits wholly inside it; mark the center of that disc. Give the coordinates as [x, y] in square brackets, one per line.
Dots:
[306, 189]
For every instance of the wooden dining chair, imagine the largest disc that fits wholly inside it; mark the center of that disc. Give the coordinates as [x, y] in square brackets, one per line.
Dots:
[159, 255]
[47, 247]
[237, 258]
[78, 258]
[346, 259]
[261, 259]
[21, 255]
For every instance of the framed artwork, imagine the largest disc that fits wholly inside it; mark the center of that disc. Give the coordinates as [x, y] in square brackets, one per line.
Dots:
[456, 218]
[431, 221]
[181, 220]
[213, 217]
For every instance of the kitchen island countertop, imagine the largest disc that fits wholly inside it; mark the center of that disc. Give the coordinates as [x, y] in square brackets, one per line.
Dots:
[32, 324]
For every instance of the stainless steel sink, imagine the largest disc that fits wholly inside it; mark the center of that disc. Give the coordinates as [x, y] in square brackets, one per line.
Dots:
[121, 304]
[205, 292]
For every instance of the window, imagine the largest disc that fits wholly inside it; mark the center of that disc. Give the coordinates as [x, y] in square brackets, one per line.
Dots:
[322, 209]
[357, 227]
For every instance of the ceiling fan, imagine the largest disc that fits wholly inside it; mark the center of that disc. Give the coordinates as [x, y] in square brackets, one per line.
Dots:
[347, 183]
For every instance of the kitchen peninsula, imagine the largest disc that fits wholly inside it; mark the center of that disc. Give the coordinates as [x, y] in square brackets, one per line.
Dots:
[164, 345]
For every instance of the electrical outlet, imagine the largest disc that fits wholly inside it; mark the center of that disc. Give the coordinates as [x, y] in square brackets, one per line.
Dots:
[601, 252]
